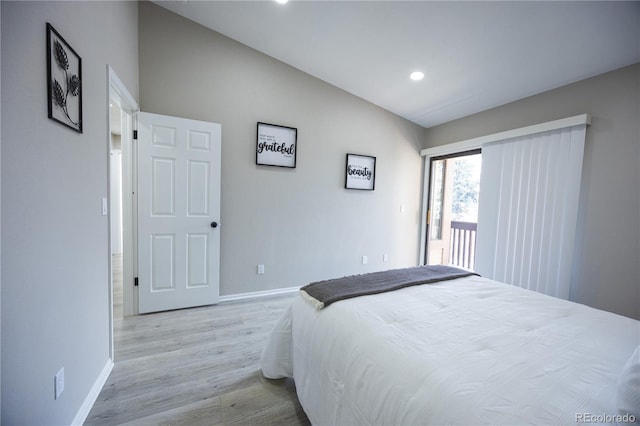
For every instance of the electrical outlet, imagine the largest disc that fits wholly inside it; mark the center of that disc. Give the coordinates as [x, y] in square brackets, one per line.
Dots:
[58, 383]
[365, 260]
[260, 269]
[385, 257]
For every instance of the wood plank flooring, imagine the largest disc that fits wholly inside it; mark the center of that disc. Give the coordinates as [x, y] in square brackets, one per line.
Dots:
[196, 366]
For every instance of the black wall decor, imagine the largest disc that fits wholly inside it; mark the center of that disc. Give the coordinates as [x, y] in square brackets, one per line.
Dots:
[360, 172]
[276, 145]
[64, 81]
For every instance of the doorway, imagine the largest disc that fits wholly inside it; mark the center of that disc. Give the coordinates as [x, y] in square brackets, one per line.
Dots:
[121, 182]
[115, 207]
[452, 215]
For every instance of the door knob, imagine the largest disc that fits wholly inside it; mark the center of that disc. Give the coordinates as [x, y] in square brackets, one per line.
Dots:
[214, 224]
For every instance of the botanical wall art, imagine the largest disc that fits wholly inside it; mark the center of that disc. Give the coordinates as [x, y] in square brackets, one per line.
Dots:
[361, 172]
[64, 81]
[276, 145]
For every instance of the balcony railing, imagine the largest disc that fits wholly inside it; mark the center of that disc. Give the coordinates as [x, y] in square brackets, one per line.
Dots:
[462, 248]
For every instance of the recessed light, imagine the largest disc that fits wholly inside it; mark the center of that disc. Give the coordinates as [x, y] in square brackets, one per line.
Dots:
[282, 1]
[417, 75]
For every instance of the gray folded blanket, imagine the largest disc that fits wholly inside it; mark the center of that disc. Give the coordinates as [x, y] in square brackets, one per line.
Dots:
[324, 293]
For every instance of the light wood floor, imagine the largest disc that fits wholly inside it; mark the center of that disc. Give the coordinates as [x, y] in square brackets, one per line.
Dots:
[196, 367]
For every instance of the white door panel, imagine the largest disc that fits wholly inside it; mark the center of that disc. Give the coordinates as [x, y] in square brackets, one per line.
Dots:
[178, 199]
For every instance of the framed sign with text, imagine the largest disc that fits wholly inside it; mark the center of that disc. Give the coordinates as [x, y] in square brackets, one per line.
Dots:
[276, 145]
[361, 172]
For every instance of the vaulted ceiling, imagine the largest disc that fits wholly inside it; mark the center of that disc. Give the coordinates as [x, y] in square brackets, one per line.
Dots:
[474, 55]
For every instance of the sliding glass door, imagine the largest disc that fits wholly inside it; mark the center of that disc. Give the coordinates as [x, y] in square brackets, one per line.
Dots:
[452, 215]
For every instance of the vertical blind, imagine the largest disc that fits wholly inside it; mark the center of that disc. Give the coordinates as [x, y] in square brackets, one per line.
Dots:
[528, 209]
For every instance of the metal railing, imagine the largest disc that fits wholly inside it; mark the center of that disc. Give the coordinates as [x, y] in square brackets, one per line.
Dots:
[462, 247]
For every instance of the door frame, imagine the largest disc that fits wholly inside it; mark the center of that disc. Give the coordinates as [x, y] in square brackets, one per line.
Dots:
[119, 94]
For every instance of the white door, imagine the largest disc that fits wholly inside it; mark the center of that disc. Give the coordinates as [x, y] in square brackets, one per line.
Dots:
[178, 212]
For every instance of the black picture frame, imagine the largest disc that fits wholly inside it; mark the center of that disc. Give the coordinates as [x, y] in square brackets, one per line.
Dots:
[360, 172]
[276, 145]
[64, 81]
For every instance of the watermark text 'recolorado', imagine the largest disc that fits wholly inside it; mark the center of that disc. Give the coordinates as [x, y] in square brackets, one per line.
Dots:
[605, 418]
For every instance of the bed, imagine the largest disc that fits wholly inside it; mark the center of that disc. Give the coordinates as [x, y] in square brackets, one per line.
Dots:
[462, 351]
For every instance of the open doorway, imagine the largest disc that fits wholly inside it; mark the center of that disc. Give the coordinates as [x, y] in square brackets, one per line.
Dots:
[122, 243]
[115, 204]
[452, 216]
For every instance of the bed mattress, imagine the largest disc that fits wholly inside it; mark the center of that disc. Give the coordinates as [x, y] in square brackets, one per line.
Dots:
[465, 351]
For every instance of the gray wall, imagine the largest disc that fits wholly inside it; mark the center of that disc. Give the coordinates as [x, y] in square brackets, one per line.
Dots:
[55, 299]
[607, 264]
[300, 223]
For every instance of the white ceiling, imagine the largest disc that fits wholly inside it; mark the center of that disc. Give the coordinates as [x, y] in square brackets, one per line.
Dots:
[475, 55]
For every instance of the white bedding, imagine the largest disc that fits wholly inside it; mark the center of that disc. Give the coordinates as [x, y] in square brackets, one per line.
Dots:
[466, 351]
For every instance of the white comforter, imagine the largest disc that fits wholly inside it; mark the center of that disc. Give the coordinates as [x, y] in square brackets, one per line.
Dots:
[466, 351]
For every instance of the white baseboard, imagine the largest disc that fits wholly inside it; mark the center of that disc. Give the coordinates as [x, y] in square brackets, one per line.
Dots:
[91, 398]
[255, 294]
